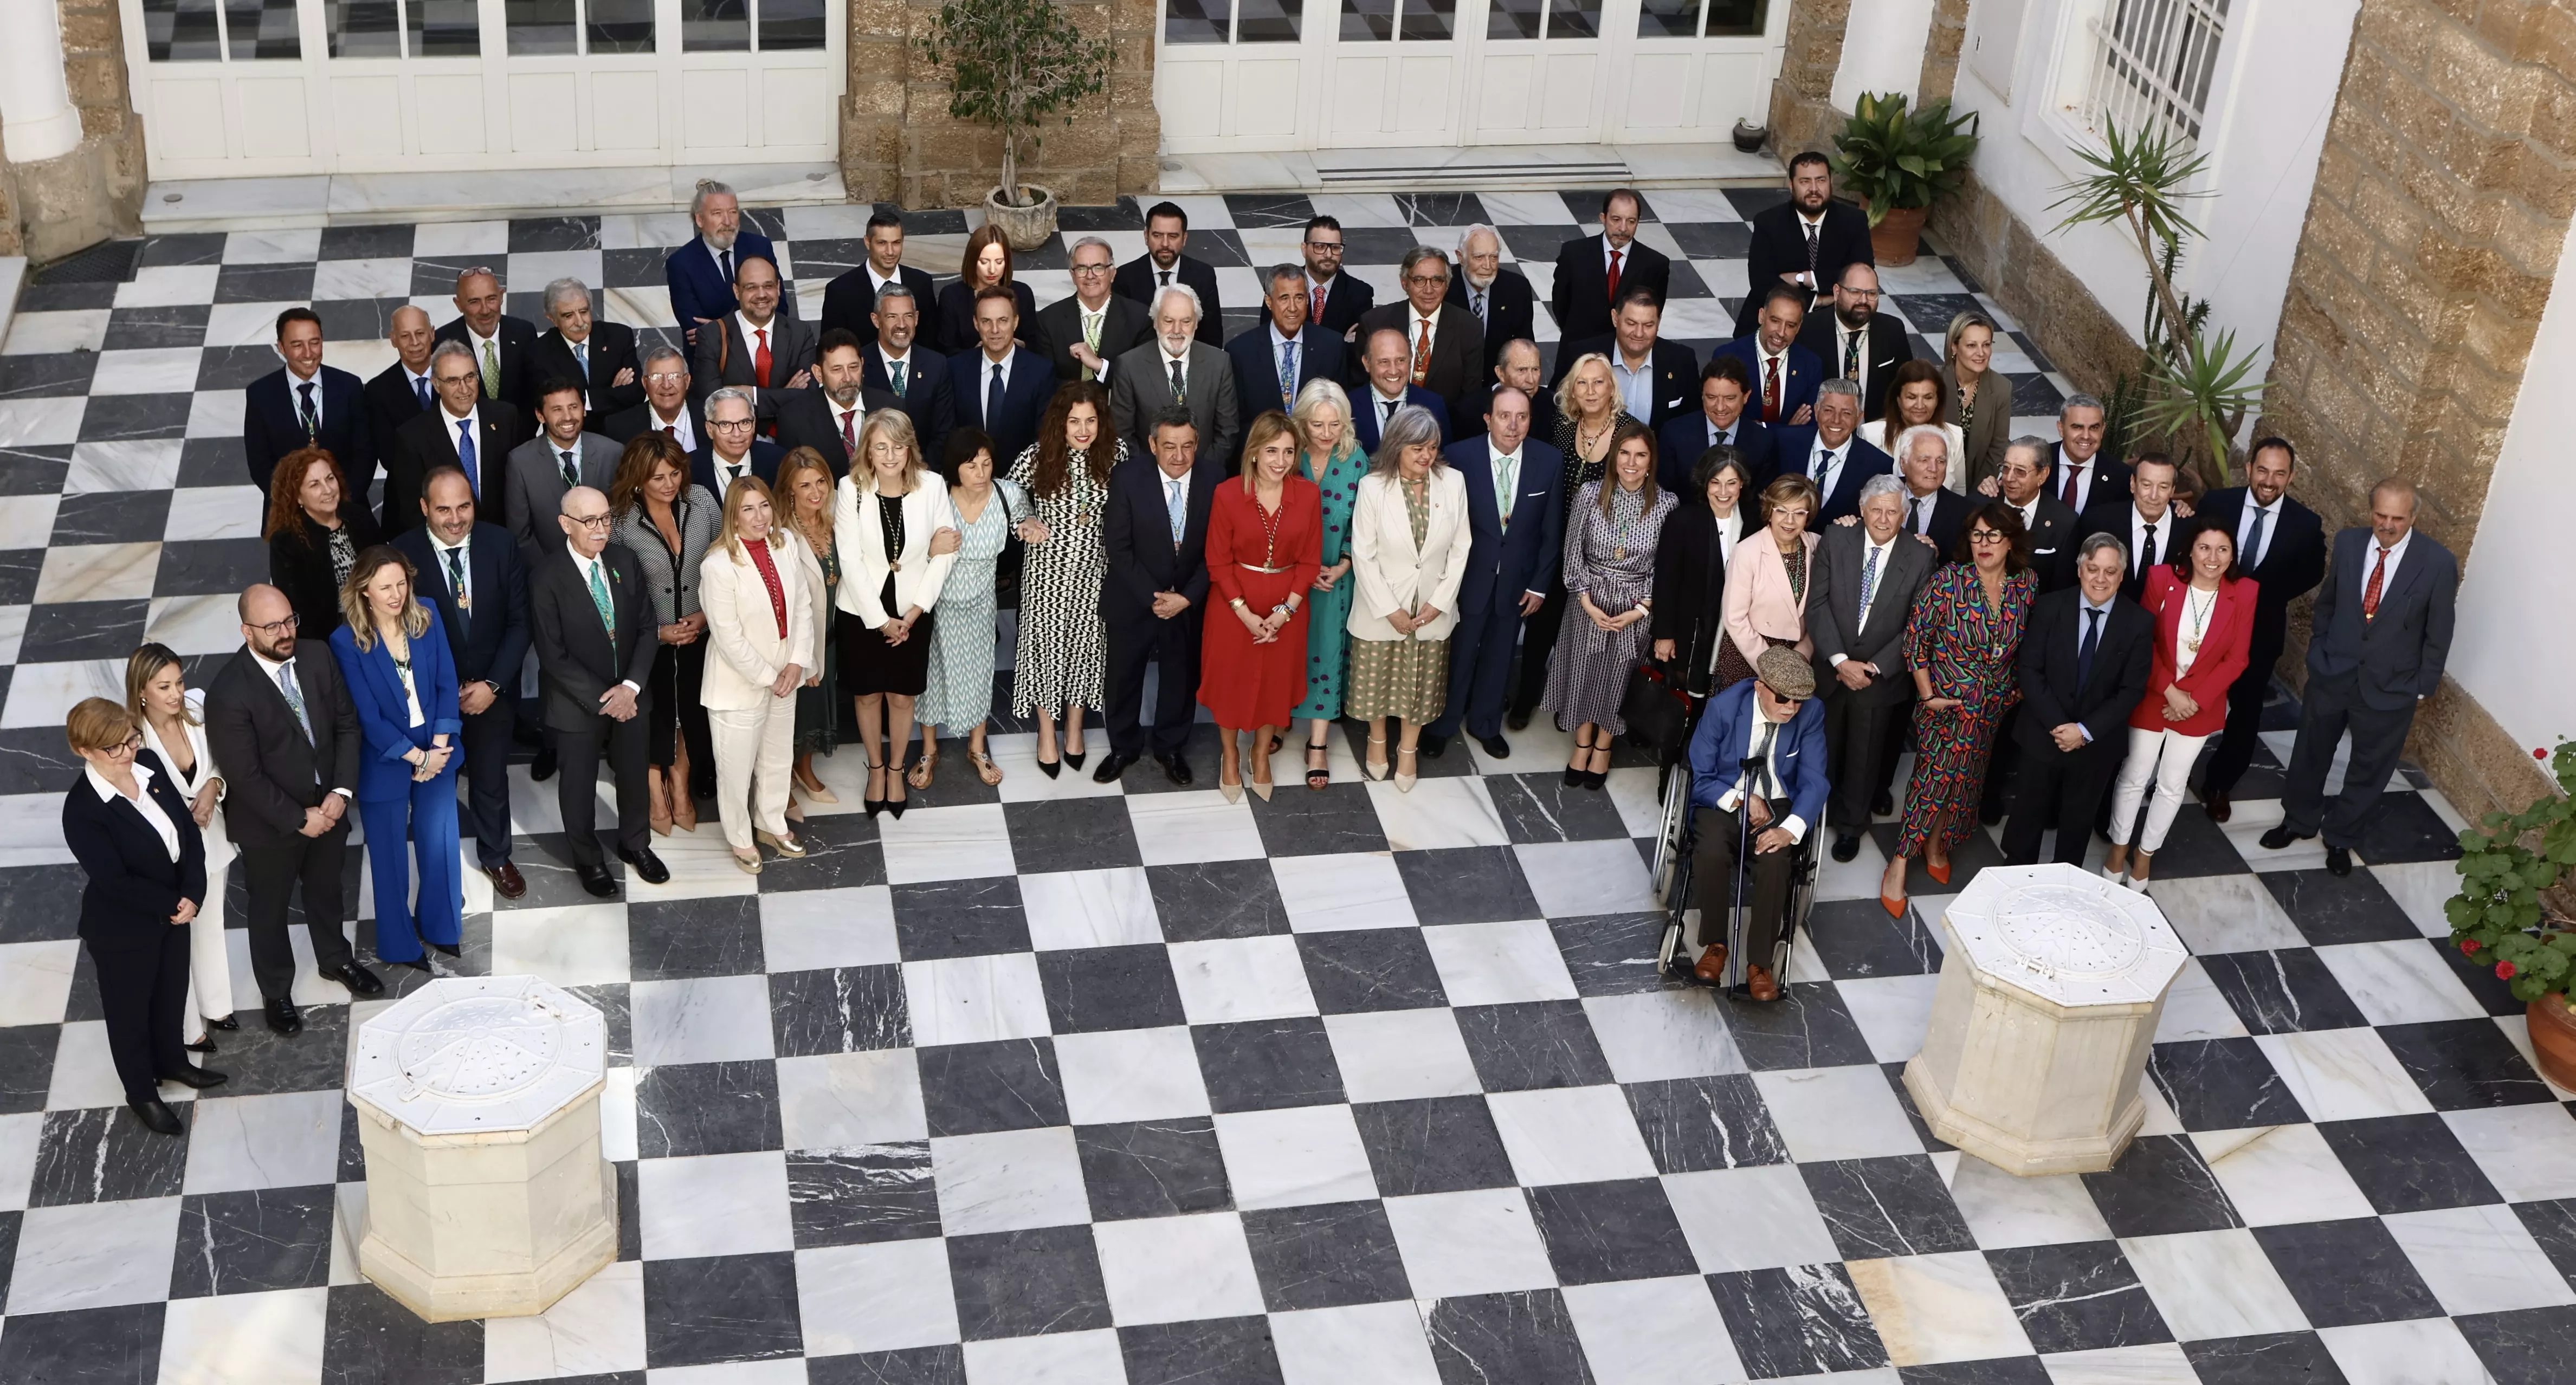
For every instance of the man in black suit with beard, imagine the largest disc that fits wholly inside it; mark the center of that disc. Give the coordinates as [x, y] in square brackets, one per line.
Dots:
[1141, 280]
[1595, 273]
[828, 418]
[1658, 380]
[1804, 241]
[1502, 300]
[1857, 341]
[2281, 544]
[592, 625]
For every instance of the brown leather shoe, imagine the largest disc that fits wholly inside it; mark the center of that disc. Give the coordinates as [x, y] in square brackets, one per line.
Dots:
[2216, 806]
[1711, 966]
[1759, 985]
[506, 880]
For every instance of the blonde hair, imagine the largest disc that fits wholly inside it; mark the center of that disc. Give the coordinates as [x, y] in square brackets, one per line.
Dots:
[353, 596]
[97, 724]
[141, 667]
[728, 532]
[896, 425]
[1317, 396]
[1270, 426]
[1565, 387]
[800, 461]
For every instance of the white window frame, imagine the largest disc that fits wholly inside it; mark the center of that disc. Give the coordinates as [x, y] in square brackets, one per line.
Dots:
[2154, 66]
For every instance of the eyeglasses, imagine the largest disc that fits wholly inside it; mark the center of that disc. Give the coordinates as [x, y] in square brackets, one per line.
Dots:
[597, 521]
[277, 627]
[1426, 280]
[128, 746]
[1860, 293]
[1985, 536]
[1091, 269]
[666, 377]
[729, 424]
[1314, 244]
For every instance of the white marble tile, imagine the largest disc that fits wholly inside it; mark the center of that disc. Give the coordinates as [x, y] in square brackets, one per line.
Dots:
[2420, 888]
[98, 572]
[2253, 818]
[1401, 1055]
[214, 512]
[290, 1140]
[647, 306]
[1054, 1358]
[1934, 1308]
[1295, 1157]
[1130, 1075]
[27, 521]
[1641, 805]
[2196, 1009]
[278, 245]
[1381, 1343]
[529, 271]
[714, 1204]
[255, 324]
[2225, 913]
[2213, 1284]
[94, 1255]
[1529, 208]
[1446, 812]
[1009, 1180]
[1704, 318]
[41, 422]
[1570, 1135]
[50, 333]
[169, 286]
[1538, 749]
[1754, 1218]
[36, 981]
[805, 930]
[1652, 1332]
[2004, 1210]
[31, 831]
[1354, 890]
[215, 414]
[2423, 1351]
[617, 1115]
[2479, 1259]
[1196, 825]
[1654, 1035]
[778, 1372]
[1090, 908]
[156, 370]
[705, 1020]
[84, 1074]
[348, 1226]
[848, 1100]
[595, 1329]
[1499, 963]
[194, 624]
[570, 945]
[2162, 1363]
[119, 468]
[1479, 1242]
[1229, 979]
[963, 842]
[2400, 982]
[272, 1338]
[1855, 879]
[965, 1000]
[1176, 1269]
[449, 239]
[2282, 1175]
[2343, 1074]
[380, 278]
[883, 1297]
[2527, 1152]
[1837, 1113]
[1571, 879]
[1892, 1011]
[19, 1133]
[701, 868]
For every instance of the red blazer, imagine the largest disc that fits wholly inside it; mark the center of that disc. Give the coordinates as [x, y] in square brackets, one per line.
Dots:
[2221, 658]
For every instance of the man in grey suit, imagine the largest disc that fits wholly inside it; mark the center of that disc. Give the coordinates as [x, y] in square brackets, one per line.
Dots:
[558, 458]
[1871, 572]
[1176, 369]
[2377, 641]
[755, 348]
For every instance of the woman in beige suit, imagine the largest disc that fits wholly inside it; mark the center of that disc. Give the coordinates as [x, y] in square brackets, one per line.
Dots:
[1409, 545]
[760, 624]
[898, 538]
[1771, 582]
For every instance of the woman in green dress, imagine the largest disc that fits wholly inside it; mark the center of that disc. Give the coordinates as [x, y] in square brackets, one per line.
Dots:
[1329, 455]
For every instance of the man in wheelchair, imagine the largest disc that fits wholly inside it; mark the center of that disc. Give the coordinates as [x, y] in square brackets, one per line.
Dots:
[1758, 771]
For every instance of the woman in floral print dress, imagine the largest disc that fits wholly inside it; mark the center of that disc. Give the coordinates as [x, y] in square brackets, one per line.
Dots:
[1329, 455]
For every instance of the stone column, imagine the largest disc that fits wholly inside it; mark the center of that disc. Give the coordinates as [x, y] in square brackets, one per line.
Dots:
[1802, 109]
[71, 147]
[41, 121]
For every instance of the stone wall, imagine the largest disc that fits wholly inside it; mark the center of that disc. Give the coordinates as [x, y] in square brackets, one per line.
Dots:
[1941, 49]
[2015, 267]
[1802, 108]
[12, 240]
[898, 143]
[56, 206]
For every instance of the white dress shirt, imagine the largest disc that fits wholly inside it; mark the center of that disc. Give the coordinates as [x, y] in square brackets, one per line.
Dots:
[1094, 321]
[1169, 360]
[1385, 407]
[2165, 527]
[1415, 323]
[1725, 437]
[460, 577]
[588, 566]
[728, 472]
[683, 432]
[719, 257]
[779, 366]
[2370, 559]
[1790, 823]
[1730, 531]
[312, 714]
[158, 820]
[2085, 473]
[890, 362]
[1833, 459]
[848, 421]
[993, 370]
[1279, 353]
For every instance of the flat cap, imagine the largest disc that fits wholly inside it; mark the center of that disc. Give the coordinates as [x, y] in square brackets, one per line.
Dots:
[1782, 670]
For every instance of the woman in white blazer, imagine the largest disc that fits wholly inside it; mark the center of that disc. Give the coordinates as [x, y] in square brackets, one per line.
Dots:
[172, 719]
[760, 629]
[1409, 543]
[898, 539]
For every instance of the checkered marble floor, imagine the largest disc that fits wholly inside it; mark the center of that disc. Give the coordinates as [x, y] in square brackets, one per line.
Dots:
[1070, 1083]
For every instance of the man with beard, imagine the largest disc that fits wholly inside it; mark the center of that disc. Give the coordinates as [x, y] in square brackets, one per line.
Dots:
[1143, 279]
[700, 273]
[1804, 241]
[1501, 299]
[1857, 341]
[1594, 274]
[2281, 544]
[559, 458]
[828, 419]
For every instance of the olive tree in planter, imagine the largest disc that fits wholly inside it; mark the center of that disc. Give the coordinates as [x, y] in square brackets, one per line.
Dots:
[1898, 163]
[2516, 911]
[1014, 64]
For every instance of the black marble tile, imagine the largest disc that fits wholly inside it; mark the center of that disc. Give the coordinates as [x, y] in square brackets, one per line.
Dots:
[2347, 1272]
[642, 268]
[1998, 1370]
[1215, 899]
[1437, 209]
[64, 630]
[2529, 1347]
[2405, 828]
[1540, 808]
[721, 1308]
[47, 375]
[263, 1062]
[2282, 992]
[617, 1009]
[357, 319]
[1330, 1255]
[37, 904]
[1266, 1065]
[1889, 1206]
[1123, 215]
[138, 329]
[630, 1211]
[960, 918]
[352, 1166]
[35, 759]
[2161, 1186]
[864, 1193]
[369, 1339]
[1153, 1168]
[943, 1365]
[232, 367]
[841, 852]
[1433, 1145]
[136, 417]
[1895, 1073]
[839, 1010]
[827, 255]
[104, 1154]
[291, 282]
[1264, 210]
[1472, 884]
[2408, 1163]
[706, 1108]
[1797, 1320]
[1712, 240]
[2222, 1084]
[1370, 969]
[204, 567]
[553, 233]
[1091, 989]
[1931, 312]
[1856, 938]
[1696, 1123]
[1014, 1283]
[9, 1225]
[1586, 203]
[1807, 1027]
[435, 276]
[1515, 1336]
[1201, 1350]
[2329, 909]
[1532, 1044]
[2464, 1064]
[366, 242]
[212, 462]
[2269, 1359]
[974, 1089]
[2490, 991]
[2077, 1297]
[1612, 954]
[1339, 819]
[91, 1346]
[2553, 1226]
[1068, 834]
[1621, 1229]
[677, 939]
[1966, 859]
[248, 1242]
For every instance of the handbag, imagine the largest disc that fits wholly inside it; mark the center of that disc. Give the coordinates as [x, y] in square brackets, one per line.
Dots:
[1007, 564]
[1658, 710]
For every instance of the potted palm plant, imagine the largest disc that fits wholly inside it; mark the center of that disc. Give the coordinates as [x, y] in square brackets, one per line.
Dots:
[2516, 911]
[1898, 162]
[1014, 64]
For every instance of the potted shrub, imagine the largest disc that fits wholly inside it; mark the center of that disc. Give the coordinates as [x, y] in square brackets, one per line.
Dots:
[1013, 64]
[1897, 163]
[2516, 911]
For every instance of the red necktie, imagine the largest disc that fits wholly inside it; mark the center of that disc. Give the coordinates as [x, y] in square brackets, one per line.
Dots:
[1320, 291]
[849, 439]
[1614, 276]
[1422, 354]
[2370, 593]
[2069, 497]
[760, 358]
[1771, 390]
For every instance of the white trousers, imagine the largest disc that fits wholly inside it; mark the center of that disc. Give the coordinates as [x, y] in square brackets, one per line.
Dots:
[2165, 756]
[210, 973]
[755, 751]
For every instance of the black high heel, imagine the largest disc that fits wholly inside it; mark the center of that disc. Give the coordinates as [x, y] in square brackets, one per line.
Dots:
[873, 805]
[894, 806]
[224, 1022]
[1575, 777]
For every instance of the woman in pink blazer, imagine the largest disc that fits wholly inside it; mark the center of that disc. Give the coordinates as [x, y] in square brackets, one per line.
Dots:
[2204, 609]
[1770, 583]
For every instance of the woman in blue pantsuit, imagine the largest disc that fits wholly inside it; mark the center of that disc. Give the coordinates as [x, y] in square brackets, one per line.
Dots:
[394, 657]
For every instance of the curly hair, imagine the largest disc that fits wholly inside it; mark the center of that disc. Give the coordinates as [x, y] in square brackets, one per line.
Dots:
[1055, 455]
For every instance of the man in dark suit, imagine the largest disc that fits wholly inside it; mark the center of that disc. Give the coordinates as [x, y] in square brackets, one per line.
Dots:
[2082, 668]
[2054, 530]
[1278, 357]
[2378, 638]
[402, 391]
[2082, 475]
[1446, 344]
[1827, 453]
[850, 300]
[307, 404]
[1141, 280]
[1805, 241]
[560, 457]
[1930, 511]
[2281, 544]
[1759, 751]
[280, 722]
[1654, 377]
[2145, 521]
[1724, 389]
[1871, 572]
[1595, 273]
[1334, 301]
[593, 630]
[598, 355]
[504, 348]
[1000, 386]
[1154, 599]
[1518, 366]
[1515, 522]
[477, 576]
[468, 430]
[914, 374]
[1177, 369]
[1784, 375]
[1388, 363]
[668, 407]
[734, 447]
[1503, 303]
[828, 419]
[1857, 341]
[756, 348]
[700, 272]
[1082, 334]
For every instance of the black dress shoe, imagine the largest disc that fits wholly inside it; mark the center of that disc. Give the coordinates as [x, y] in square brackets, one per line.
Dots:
[597, 880]
[542, 768]
[1846, 846]
[1112, 765]
[2279, 839]
[1497, 747]
[204, 1045]
[1177, 770]
[157, 1117]
[1518, 720]
[225, 1023]
[1883, 806]
[2338, 860]
[506, 880]
[1431, 745]
[199, 1078]
[357, 978]
[649, 868]
[2217, 806]
[283, 1018]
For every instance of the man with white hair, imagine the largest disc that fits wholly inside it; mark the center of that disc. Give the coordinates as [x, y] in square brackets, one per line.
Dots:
[1082, 334]
[1176, 369]
[1933, 513]
[1501, 299]
[1871, 574]
[700, 271]
[579, 347]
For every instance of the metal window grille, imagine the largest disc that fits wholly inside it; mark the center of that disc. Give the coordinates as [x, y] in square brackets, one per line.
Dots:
[2157, 60]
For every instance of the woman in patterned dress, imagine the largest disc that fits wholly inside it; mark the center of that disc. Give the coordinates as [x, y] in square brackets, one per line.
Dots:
[961, 653]
[1263, 549]
[1588, 417]
[1409, 544]
[1329, 455]
[805, 489]
[1063, 653]
[1960, 641]
[1609, 598]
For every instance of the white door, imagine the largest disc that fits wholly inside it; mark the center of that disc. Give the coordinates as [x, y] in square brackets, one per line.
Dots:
[1395, 74]
[1538, 73]
[281, 87]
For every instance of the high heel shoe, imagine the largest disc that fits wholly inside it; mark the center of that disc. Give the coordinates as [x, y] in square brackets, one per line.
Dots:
[1576, 776]
[1318, 777]
[1233, 793]
[1375, 769]
[1074, 758]
[1895, 907]
[872, 804]
[1940, 873]
[1050, 768]
[1404, 782]
[789, 847]
[1260, 790]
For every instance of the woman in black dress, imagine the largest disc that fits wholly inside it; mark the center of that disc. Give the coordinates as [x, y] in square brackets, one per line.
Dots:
[898, 539]
[314, 535]
[1690, 565]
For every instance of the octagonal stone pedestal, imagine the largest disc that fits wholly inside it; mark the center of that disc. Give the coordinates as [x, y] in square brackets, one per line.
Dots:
[478, 1100]
[2048, 1000]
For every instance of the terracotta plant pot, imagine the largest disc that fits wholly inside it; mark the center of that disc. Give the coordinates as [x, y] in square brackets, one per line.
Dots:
[2553, 1039]
[1027, 227]
[1894, 240]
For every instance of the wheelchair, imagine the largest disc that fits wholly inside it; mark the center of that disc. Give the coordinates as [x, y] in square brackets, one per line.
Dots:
[1673, 884]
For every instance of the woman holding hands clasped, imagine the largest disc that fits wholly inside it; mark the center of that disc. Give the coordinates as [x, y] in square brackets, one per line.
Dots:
[1610, 544]
[898, 539]
[1063, 653]
[760, 629]
[2204, 609]
[960, 694]
[1409, 544]
[1264, 547]
[395, 659]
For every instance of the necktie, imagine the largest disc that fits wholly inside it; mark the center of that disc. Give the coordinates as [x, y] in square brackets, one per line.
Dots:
[1761, 781]
[2370, 593]
[294, 698]
[1824, 467]
[1914, 520]
[1167, 278]
[2074, 472]
[599, 598]
[1287, 374]
[1180, 388]
[1771, 390]
[760, 358]
[1320, 291]
[2254, 545]
[1175, 505]
[2084, 649]
[1480, 305]
[894, 375]
[581, 357]
[465, 456]
[1091, 339]
[724, 258]
[1614, 276]
[1811, 250]
[1422, 354]
[1868, 585]
[1386, 410]
[491, 370]
[456, 578]
[420, 386]
[849, 433]
[993, 394]
[1507, 476]
[1851, 356]
[312, 420]
[2147, 553]
[572, 472]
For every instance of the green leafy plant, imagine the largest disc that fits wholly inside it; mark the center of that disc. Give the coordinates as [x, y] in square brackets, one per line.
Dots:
[1889, 157]
[1014, 64]
[2516, 910]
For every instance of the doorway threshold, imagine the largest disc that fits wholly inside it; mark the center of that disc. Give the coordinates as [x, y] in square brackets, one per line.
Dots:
[358, 199]
[1473, 168]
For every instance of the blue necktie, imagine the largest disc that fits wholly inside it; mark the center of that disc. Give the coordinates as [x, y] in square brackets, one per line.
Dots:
[993, 397]
[312, 421]
[465, 457]
[1176, 504]
[2254, 546]
[420, 386]
[1288, 374]
[2084, 649]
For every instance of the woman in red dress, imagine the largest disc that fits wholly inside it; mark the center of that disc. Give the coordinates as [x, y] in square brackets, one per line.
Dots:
[1265, 543]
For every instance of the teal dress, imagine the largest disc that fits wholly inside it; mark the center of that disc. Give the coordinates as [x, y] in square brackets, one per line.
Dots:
[1328, 642]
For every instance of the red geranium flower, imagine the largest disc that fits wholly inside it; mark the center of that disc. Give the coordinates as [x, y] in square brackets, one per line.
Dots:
[2470, 946]
[2504, 971]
